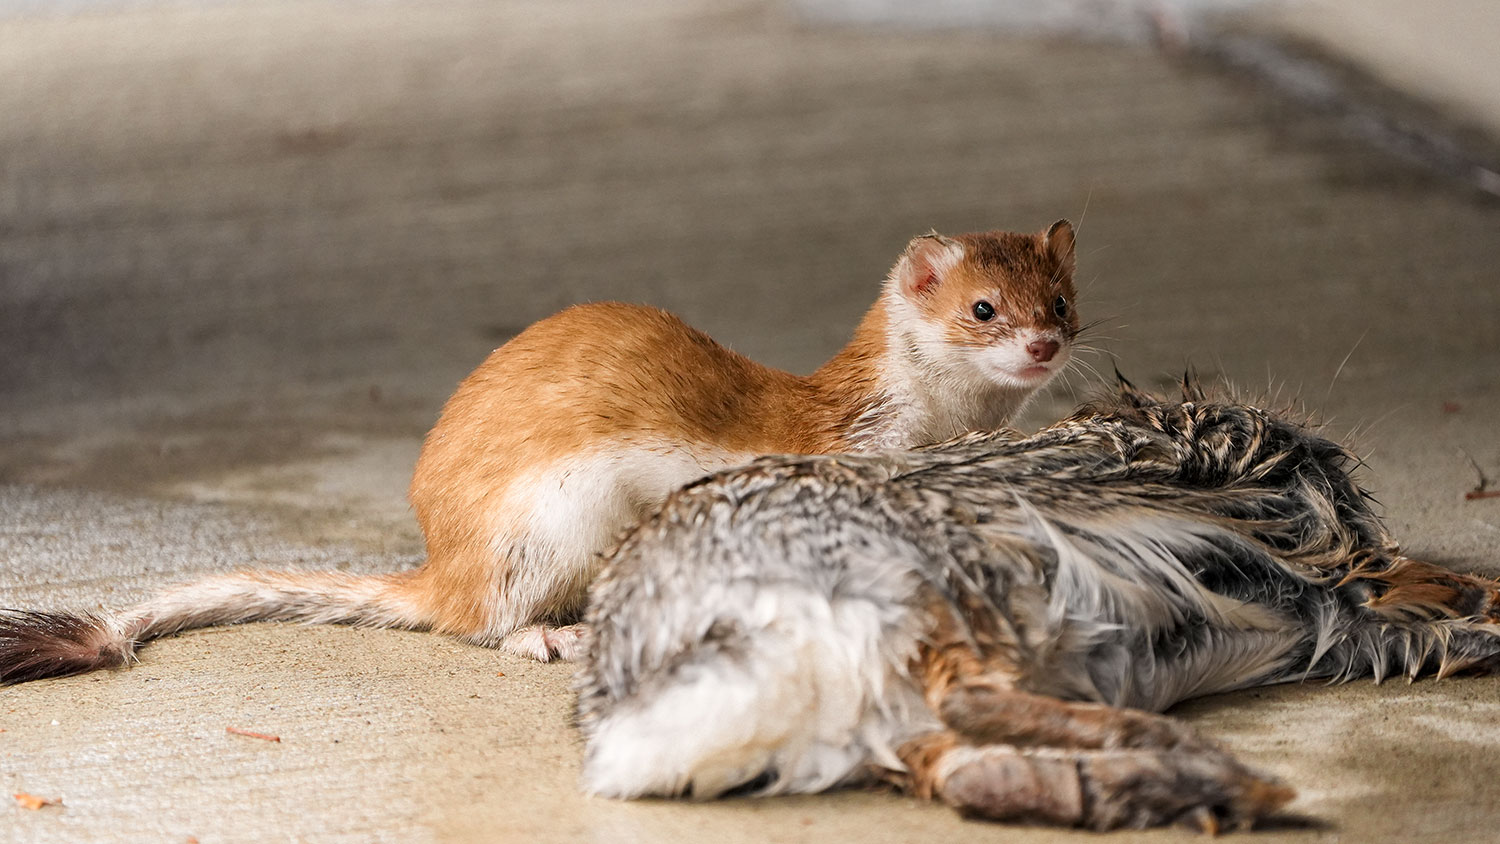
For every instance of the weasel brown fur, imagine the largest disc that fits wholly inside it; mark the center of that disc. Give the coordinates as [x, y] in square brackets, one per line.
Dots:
[588, 419]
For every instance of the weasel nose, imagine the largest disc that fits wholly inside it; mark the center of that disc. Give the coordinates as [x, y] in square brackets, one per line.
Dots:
[1042, 351]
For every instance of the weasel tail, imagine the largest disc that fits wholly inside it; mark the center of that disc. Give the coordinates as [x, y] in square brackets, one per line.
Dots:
[583, 423]
[36, 645]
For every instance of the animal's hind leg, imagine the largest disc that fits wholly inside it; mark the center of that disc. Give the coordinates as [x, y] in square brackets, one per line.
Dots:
[1096, 789]
[572, 513]
[545, 643]
[1012, 755]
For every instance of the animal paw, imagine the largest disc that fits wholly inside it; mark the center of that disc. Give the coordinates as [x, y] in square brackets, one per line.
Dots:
[1206, 791]
[545, 643]
[1105, 790]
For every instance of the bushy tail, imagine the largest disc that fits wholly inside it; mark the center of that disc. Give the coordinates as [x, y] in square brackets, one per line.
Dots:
[37, 645]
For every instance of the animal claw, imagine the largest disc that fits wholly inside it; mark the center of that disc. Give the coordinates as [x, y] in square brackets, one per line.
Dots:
[1203, 820]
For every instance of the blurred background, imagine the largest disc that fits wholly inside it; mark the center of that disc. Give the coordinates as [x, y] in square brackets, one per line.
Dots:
[248, 247]
[245, 196]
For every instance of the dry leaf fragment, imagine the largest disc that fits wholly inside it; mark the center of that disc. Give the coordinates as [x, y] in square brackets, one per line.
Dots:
[1481, 489]
[262, 736]
[33, 802]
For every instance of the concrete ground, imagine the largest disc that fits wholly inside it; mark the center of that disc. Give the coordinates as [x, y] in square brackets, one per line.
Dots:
[247, 250]
[1443, 52]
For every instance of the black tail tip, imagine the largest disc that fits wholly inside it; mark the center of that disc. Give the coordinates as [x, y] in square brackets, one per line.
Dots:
[39, 645]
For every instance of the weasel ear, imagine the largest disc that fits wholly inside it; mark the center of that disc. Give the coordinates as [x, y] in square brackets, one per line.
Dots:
[1059, 240]
[926, 263]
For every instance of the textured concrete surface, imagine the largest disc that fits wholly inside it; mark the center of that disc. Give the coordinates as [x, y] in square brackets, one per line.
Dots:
[246, 251]
[1443, 52]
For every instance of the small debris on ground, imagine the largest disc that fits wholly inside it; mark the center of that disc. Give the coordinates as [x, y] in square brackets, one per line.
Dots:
[33, 802]
[1452, 407]
[252, 734]
[1481, 489]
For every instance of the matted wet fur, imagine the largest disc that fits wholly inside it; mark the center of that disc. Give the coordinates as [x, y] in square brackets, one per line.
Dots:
[994, 621]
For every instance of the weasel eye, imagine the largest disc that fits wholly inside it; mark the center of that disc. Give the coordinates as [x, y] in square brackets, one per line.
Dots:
[1060, 307]
[984, 311]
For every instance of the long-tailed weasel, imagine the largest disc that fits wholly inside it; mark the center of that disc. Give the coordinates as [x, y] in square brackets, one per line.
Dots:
[586, 420]
[971, 621]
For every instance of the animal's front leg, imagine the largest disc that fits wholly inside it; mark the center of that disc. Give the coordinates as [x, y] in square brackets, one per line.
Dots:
[984, 711]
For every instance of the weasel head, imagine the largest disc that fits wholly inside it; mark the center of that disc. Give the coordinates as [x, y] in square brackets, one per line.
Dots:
[995, 309]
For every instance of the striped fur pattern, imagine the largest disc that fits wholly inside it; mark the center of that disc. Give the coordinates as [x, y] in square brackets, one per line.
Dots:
[993, 621]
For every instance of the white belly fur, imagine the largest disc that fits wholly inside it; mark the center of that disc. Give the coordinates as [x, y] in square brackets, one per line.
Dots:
[550, 526]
